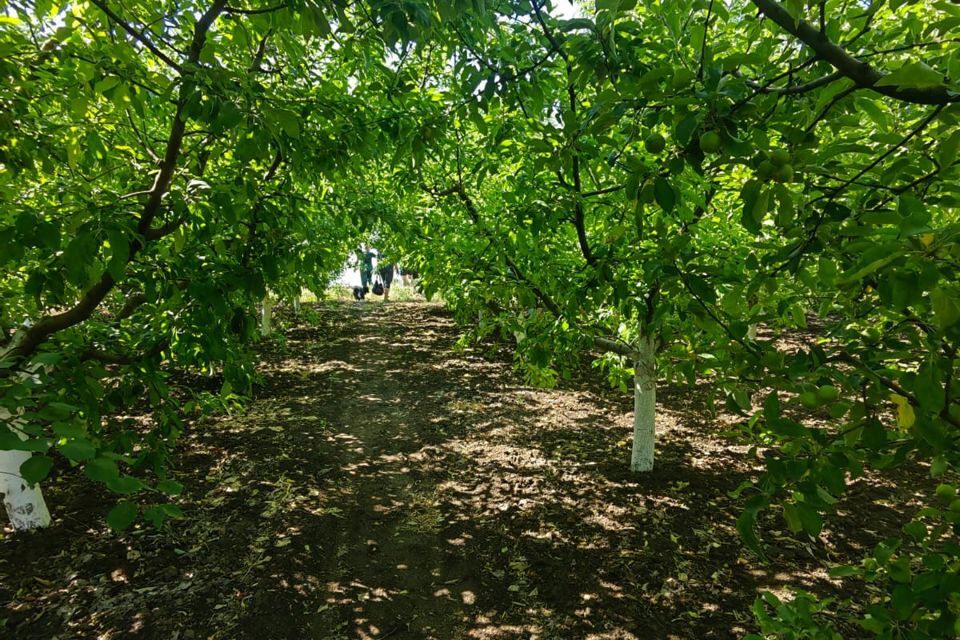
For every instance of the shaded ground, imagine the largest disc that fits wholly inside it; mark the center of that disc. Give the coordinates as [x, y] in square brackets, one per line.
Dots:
[387, 486]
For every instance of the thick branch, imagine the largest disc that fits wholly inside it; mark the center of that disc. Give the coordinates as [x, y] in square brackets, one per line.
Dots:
[857, 70]
[134, 302]
[28, 339]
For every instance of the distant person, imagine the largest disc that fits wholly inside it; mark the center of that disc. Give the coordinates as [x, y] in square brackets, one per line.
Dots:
[386, 276]
[365, 258]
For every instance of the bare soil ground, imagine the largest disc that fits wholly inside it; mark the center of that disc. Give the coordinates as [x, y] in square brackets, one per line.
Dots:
[386, 485]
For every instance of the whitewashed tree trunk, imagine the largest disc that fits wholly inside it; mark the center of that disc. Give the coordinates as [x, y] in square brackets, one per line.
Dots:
[266, 316]
[644, 404]
[296, 305]
[25, 505]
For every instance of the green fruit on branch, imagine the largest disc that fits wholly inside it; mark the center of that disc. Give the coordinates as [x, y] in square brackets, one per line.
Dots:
[783, 173]
[809, 400]
[828, 393]
[946, 492]
[765, 170]
[655, 143]
[779, 157]
[710, 142]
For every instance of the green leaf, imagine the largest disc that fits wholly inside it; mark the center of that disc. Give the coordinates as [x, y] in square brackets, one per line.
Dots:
[173, 511]
[701, 288]
[35, 468]
[284, 120]
[872, 260]
[119, 254]
[155, 515]
[843, 571]
[746, 527]
[101, 470]
[938, 466]
[810, 519]
[78, 450]
[913, 75]
[899, 570]
[947, 154]
[928, 389]
[945, 308]
[171, 487]
[159, 513]
[10, 441]
[795, 8]
[792, 517]
[125, 485]
[122, 515]
[664, 194]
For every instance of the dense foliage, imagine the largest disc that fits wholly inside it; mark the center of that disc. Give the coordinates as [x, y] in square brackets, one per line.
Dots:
[672, 174]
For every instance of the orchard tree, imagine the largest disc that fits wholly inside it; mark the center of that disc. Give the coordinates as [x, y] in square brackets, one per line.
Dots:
[578, 209]
[165, 165]
[673, 175]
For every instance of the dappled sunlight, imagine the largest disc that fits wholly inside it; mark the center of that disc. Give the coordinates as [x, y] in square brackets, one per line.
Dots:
[383, 488]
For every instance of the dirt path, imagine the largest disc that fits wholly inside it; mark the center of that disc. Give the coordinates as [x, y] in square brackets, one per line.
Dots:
[385, 485]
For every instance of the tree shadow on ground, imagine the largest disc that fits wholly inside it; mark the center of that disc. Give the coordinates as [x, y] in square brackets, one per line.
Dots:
[385, 485]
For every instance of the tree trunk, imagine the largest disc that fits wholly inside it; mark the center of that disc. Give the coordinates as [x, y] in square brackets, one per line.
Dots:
[644, 404]
[266, 316]
[24, 504]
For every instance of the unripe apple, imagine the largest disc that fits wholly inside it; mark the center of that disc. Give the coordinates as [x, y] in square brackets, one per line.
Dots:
[655, 143]
[765, 170]
[783, 173]
[809, 400]
[779, 157]
[828, 393]
[946, 492]
[710, 142]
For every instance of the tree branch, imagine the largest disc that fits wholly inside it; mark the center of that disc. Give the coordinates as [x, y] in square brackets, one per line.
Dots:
[137, 35]
[27, 340]
[857, 70]
[798, 88]
[916, 131]
[703, 46]
[254, 12]
[108, 357]
[888, 383]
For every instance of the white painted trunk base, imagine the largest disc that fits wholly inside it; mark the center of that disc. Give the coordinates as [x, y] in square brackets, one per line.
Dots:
[644, 405]
[25, 505]
[266, 316]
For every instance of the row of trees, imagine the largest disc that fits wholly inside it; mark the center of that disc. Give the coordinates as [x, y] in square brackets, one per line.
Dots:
[654, 182]
[163, 166]
[648, 183]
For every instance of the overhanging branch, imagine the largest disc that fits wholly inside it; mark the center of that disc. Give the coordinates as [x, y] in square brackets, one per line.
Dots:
[857, 70]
